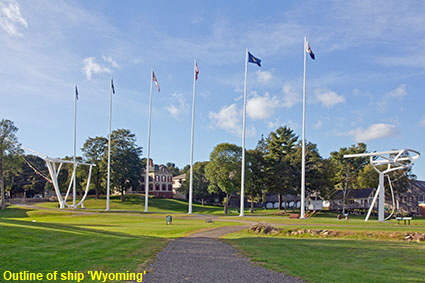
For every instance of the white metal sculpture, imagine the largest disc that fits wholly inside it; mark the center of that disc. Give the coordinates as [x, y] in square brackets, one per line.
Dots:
[54, 166]
[384, 163]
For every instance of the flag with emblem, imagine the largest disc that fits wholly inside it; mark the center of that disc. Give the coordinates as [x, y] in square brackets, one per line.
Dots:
[253, 59]
[155, 81]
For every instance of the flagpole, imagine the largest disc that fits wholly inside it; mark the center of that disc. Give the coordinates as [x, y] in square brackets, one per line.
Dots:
[192, 139]
[74, 185]
[242, 208]
[108, 186]
[148, 146]
[302, 213]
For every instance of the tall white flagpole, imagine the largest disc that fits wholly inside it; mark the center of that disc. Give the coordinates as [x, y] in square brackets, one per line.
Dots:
[302, 213]
[149, 147]
[108, 185]
[74, 185]
[195, 71]
[242, 208]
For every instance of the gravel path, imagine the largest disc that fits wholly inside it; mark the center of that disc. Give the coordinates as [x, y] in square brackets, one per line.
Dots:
[201, 257]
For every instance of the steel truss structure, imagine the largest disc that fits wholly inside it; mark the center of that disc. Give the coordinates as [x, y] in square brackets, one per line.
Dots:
[384, 163]
[54, 165]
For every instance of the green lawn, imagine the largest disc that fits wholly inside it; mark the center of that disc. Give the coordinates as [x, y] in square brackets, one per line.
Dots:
[40, 240]
[137, 203]
[335, 260]
[125, 239]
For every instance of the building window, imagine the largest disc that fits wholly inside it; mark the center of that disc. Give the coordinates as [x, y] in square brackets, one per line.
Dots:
[170, 179]
[164, 179]
[164, 187]
[156, 187]
[157, 178]
[170, 188]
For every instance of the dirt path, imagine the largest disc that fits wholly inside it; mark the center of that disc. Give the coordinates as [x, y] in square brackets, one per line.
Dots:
[202, 257]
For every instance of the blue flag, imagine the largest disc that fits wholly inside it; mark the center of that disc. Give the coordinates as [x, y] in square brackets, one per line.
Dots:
[252, 59]
[112, 86]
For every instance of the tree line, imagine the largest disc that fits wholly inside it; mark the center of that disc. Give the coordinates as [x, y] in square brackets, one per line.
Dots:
[273, 166]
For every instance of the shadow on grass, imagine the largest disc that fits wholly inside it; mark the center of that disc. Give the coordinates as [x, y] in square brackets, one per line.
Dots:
[15, 212]
[73, 228]
[46, 247]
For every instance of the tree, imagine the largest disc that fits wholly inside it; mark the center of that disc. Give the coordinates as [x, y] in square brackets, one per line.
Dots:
[255, 177]
[126, 165]
[200, 182]
[282, 175]
[94, 150]
[346, 170]
[368, 177]
[224, 170]
[172, 168]
[33, 177]
[317, 178]
[10, 152]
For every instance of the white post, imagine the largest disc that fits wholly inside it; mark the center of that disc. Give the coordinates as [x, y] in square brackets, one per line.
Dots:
[148, 147]
[74, 191]
[52, 170]
[108, 184]
[192, 140]
[242, 212]
[381, 202]
[302, 213]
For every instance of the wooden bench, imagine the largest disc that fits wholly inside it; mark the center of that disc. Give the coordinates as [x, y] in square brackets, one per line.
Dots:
[209, 221]
[293, 216]
[406, 220]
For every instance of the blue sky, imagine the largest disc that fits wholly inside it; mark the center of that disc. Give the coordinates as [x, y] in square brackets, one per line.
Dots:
[366, 84]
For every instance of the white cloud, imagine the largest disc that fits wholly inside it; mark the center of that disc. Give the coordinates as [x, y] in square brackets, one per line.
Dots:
[328, 98]
[277, 123]
[373, 132]
[396, 94]
[11, 19]
[261, 107]
[318, 124]
[110, 61]
[422, 122]
[274, 124]
[227, 119]
[179, 107]
[290, 97]
[264, 77]
[91, 67]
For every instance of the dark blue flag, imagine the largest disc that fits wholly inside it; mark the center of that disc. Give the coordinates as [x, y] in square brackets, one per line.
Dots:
[112, 86]
[252, 59]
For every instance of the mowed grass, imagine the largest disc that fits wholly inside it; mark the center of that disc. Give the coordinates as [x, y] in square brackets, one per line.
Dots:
[366, 254]
[40, 240]
[136, 202]
[335, 260]
[328, 220]
[46, 240]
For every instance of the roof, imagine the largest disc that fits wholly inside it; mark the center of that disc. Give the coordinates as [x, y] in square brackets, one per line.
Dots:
[158, 169]
[273, 197]
[355, 194]
[181, 176]
[418, 185]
